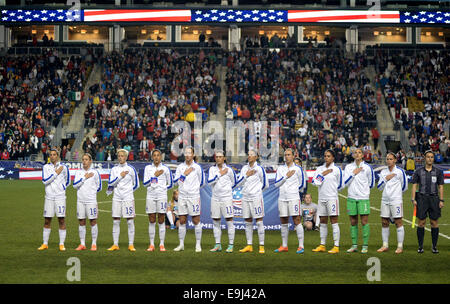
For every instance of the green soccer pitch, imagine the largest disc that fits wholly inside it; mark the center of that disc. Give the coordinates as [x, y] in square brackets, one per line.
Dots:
[21, 222]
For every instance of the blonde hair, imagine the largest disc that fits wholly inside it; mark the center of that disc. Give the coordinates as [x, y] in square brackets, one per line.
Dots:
[124, 151]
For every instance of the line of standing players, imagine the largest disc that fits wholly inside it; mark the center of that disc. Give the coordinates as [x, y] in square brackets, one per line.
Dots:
[290, 179]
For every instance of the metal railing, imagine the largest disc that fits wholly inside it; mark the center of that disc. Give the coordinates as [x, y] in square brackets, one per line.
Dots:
[64, 50]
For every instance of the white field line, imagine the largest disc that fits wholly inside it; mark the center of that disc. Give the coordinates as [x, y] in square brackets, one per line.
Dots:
[405, 220]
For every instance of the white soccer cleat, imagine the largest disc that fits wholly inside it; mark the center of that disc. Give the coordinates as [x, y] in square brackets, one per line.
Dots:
[198, 248]
[179, 248]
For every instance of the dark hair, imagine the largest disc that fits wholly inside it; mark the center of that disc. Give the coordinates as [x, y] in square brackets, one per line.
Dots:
[428, 151]
[156, 150]
[331, 152]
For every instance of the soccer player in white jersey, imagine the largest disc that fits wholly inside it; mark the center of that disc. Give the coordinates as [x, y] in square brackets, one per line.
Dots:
[329, 179]
[393, 183]
[290, 178]
[157, 179]
[222, 179]
[87, 182]
[359, 178]
[56, 178]
[254, 181]
[123, 181]
[190, 178]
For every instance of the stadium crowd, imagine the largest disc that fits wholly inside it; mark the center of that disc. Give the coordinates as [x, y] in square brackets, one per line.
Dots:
[420, 79]
[322, 99]
[141, 94]
[35, 92]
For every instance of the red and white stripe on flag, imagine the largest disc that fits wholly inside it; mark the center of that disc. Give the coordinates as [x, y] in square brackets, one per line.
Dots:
[137, 15]
[367, 16]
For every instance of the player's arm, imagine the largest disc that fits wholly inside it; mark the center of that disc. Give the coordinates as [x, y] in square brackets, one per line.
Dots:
[264, 179]
[99, 181]
[78, 180]
[201, 176]
[67, 172]
[212, 177]
[340, 179]
[301, 179]
[135, 179]
[280, 178]
[349, 176]
[147, 176]
[179, 177]
[371, 177]
[113, 178]
[242, 177]
[404, 180]
[48, 175]
[169, 179]
[440, 182]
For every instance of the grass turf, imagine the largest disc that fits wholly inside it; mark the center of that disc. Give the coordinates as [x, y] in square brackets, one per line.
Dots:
[21, 224]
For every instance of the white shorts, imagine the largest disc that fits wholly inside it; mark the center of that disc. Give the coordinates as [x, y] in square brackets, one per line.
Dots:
[253, 208]
[54, 207]
[87, 210]
[394, 210]
[289, 208]
[328, 208]
[222, 207]
[123, 209]
[189, 206]
[155, 206]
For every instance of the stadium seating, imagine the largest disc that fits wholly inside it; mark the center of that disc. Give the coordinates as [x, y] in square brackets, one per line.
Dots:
[143, 91]
[416, 90]
[322, 99]
[36, 92]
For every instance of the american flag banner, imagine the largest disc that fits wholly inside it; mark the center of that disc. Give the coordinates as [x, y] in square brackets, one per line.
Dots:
[348, 16]
[137, 15]
[226, 16]
[215, 15]
[42, 15]
[425, 17]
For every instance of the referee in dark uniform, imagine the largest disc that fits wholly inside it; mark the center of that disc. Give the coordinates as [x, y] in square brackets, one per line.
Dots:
[429, 199]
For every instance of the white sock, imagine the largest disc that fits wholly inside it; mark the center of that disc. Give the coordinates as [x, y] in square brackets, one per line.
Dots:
[116, 232]
[151, 232]
[400, 236]
[82, 233]
[231, 232]
[217, 231]
[170, 217]
[62, 236]
[46, 235]
[198, 233]
[94, 232]
[182, 233]
[284, 234]
[162, 233]
[300, 235]
[261, 232]
[249, 232]
[323, 233]
[385, 236]
[336, 234]
[130, 231]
